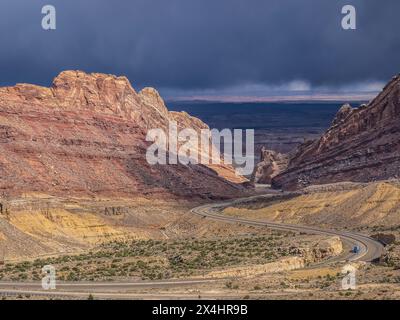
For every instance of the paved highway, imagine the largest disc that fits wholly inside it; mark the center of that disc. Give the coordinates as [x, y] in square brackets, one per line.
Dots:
[369, 250]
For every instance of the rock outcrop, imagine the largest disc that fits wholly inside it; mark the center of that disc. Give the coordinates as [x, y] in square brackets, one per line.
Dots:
[272, 163]
[323, 249]
[362, 145]
[85, 135]
[281, 265]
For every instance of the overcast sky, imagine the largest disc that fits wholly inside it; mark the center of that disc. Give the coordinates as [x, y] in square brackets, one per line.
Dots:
[187, 47]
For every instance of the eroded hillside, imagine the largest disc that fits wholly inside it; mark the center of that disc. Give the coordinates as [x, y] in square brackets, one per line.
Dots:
[343, 205]
[86, 135]
[362, 145]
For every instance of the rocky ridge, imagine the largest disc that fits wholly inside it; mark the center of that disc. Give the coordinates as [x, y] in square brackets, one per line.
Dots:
[362, 145]
[85, 135]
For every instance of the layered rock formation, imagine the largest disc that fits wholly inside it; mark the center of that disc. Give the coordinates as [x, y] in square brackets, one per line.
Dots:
[362, 145]
[271, 164]
[85, 135]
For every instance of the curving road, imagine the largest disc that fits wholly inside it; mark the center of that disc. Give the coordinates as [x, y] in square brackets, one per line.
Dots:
[370, 249]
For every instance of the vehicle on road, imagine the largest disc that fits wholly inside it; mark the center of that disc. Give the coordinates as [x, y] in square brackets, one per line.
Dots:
[356, 249]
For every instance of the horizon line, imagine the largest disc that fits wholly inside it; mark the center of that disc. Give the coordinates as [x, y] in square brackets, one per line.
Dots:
[361, 97]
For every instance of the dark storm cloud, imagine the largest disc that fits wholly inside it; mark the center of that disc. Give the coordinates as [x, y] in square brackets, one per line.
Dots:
[200, 44]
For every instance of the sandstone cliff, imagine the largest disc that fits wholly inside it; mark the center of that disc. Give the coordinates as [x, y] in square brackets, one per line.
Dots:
[271, 164]
[362, 145]
[85, 135]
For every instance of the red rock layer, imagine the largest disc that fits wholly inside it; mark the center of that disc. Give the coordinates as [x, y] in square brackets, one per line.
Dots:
[85, 135]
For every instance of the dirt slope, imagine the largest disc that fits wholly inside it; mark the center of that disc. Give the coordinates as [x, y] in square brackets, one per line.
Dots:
[337, 206]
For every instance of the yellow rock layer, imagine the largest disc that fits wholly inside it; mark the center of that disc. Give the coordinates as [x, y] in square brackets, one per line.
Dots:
[85, 228]
[377, 203]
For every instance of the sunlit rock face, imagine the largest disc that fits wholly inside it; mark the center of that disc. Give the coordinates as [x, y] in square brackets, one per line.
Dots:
[85, 135]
